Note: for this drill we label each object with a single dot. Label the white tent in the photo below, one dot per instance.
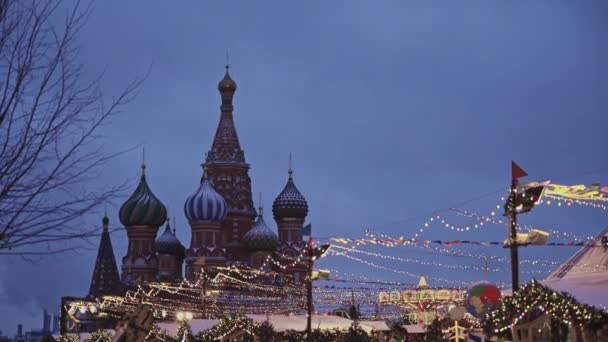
(585, 274)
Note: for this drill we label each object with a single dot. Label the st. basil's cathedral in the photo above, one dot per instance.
(226, 229)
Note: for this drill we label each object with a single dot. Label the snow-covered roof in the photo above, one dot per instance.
(297, 322)
(280, 323)
(414, 328)
(375, 325)
(196, 325)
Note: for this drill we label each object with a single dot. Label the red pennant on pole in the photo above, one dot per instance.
(516, 171)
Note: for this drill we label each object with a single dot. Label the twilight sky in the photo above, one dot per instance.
(392, 110)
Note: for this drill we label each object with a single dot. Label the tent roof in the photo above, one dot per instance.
(591, 289)
(585, 274)
(591, 258)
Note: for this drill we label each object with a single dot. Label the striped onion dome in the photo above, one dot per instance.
(290, 202)
(205, 204)
(168, 243)
(260, 238)
(143, 208)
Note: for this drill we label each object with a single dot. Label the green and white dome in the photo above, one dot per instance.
(143, 208)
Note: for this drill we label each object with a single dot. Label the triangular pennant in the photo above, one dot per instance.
(516, 171)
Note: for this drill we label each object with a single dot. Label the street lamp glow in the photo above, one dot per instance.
(180, 316)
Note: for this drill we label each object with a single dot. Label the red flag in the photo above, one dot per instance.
(516, 171)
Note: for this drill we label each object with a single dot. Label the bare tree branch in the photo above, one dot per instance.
(50, 117)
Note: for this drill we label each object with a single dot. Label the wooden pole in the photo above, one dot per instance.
(513, 237)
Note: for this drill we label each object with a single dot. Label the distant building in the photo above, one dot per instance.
(50, 324)
(4, 338)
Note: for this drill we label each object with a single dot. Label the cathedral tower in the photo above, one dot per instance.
(105, 280)
(260, 240)
(229, 173)
(171, 254)
(205, 210)
(290, 209)
(142, 214)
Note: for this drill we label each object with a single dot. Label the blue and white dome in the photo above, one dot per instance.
(260, 237)
(205, 204)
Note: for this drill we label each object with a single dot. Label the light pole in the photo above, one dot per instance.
(513, 236)
(312, 255)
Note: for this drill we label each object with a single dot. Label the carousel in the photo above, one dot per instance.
(424, 303)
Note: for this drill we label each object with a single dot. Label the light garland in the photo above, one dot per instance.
(534, 296)
(409, 274)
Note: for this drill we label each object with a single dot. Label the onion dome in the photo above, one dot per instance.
(143, 208)
(227, 84)
(290, 202)
(205, 204)
(260, 238)
(168, 243)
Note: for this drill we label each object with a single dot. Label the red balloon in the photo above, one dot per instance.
(490, 294)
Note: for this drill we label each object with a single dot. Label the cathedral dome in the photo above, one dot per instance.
(168, 243)
(205, 204)
(227, 84)
(290, 202)
(143, 208)
(260, 238)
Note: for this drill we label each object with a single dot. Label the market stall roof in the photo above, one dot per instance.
(414, 328)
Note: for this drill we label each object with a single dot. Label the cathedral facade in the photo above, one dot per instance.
(226, 229)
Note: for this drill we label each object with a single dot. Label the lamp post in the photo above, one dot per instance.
(312, 255)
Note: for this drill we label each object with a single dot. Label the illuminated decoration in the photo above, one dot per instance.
(418, 261)
(559, 201)
(423, 303)
(226, 326)
(449, 243)
(533, 300)
(99, 336)
(481, 297)
(525, 198)
(593, 192)
(416, 296)
(68, 338)
(409, 274)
